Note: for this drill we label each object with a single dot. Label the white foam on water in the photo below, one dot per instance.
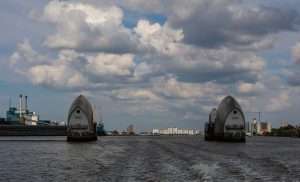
(205, 171)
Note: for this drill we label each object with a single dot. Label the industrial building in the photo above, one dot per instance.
(261, 128)
(22, 115)
(227, 123)
(80, 125)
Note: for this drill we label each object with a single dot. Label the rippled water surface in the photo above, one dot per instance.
(157, 158)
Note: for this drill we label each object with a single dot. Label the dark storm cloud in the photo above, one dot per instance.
(214, 25)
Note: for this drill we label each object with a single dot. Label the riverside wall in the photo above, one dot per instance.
(27, 130)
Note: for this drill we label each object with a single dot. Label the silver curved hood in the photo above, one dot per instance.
(82, 103)
(224, 108)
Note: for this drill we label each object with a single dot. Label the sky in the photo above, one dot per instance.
(155, 63)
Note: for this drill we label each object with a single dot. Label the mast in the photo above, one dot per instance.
(101, 119)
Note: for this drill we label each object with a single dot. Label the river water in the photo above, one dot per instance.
(156, 158)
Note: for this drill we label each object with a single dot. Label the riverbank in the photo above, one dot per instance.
(28, 130)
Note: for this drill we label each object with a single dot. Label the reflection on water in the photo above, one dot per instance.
(159, 158)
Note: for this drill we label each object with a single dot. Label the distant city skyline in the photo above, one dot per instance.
(152, 64)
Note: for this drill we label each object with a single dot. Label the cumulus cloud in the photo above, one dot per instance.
(25, 51)
(296, 53)
(150, 109)
(225, 23)
(84, 27)
(25, 57)
(292, 77)
(110, 65)
(222, 65)
(139, 101)
(251, 88)
(228, 23)
(171, 88)
(191, 116)
(157, 36)
(143, 70)
(160, 44)
(59, 76)
(279, 103)
(203, 51)
(130, 95)
(85, 93)
(72, 70)
(190, 63)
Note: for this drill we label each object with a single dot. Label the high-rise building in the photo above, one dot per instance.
(254, 121)
(284, 124)
(155, 131)
(269, 127)
(130, 130)
(261, 128)
(174, 131)
(191, 132)
(258, 128)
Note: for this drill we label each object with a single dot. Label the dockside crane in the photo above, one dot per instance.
(256, 112)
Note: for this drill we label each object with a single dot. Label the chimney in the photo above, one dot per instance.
(20, 108)
(9, 103)
(25, 104)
